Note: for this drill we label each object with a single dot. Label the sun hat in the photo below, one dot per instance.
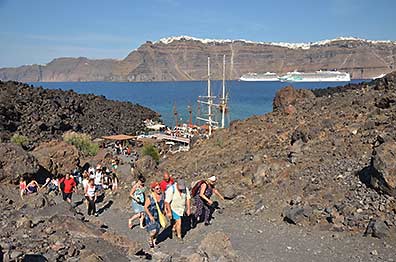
(181, 184)
(212, 178)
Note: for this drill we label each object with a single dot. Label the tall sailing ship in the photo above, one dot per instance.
(210, 103)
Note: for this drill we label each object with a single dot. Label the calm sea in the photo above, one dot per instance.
(245, 98)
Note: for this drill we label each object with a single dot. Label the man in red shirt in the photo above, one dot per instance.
(168, 180)
(67, 186)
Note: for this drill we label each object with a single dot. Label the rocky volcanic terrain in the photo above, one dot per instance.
(323, 158)
(312, 181)
(185, 58)
(42, 114)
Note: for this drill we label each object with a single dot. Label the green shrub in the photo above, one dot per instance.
(151, 150)
(20, 140)
(219, 143)
(82, 142)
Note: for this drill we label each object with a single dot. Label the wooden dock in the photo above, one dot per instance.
(172, 138)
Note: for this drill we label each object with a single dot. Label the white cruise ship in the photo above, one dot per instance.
(318, 76)
(259, 77)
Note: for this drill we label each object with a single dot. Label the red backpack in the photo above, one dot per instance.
(196, 188)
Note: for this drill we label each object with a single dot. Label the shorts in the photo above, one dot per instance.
(136, 207)
(31, 189)
(175, 216)
(67, 196)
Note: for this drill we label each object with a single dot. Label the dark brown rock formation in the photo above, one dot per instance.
(15, 163)
(383, 175)
(288, 96)
(57, 156)
(185, 58)
(43, 115)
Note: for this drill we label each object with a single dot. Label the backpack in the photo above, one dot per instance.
(196, 188)
(170, 185)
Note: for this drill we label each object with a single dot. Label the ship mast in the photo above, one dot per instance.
(223, 99)
(175, 114)
(209, 102)
(189, 108)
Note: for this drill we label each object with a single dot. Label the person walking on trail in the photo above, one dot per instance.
(91, 195)
(177, 202)
(152, 213)
(204, 206)
(167, 181)
(98, 179)
(67, 185)
(28, 189)
(137, 193)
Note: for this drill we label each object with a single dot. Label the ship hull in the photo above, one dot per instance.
(319, 76)
(258, 79)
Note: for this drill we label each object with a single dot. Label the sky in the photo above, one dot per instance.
(35, 32)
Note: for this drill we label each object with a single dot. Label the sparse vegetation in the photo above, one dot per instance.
(219, 143)
(151, 150)
(21, 140)
(82, 142)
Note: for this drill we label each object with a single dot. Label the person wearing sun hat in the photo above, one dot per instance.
(204, 206)
(177, 202)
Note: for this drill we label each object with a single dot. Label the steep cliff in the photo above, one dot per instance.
(185, 58)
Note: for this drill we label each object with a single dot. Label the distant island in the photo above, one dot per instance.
(184, 58)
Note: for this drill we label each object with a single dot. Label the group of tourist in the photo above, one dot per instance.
(126, 149)
(92, 181)
(163, 204)
(171, 199)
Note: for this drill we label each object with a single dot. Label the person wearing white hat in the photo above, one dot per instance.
(177, 202)
(204, 206)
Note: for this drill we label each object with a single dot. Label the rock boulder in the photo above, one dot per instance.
(377, 229)
(286, 98)
(15, 163)
(384, 167)
(57, 156)
(217, 246)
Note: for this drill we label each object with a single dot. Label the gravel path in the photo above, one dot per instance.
(257, 237)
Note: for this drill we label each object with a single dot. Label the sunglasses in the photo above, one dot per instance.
(157, 188)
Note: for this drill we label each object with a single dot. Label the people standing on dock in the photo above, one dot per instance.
(203, 203)
(177, 202)
(67, 185)
(166, 181)
(137, 193)
(153, 205)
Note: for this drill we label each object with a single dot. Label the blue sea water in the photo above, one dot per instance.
(245, 98)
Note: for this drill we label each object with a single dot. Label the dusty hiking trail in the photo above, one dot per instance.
(254, 237)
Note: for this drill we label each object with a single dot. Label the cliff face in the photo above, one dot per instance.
(185, 58)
